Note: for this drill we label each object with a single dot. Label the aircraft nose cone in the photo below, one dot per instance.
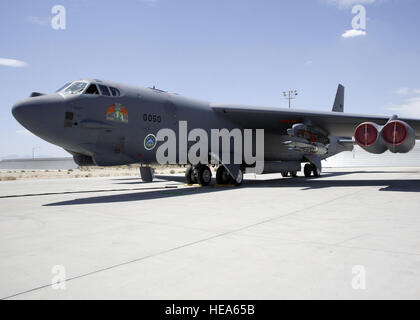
(40, 115)
(21, 111)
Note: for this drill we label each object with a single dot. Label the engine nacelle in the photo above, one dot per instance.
(82, 160)
(398, 136)
(368, 136)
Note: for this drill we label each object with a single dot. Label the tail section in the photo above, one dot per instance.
(339, 99)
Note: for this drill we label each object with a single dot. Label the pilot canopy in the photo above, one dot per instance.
(90, 88)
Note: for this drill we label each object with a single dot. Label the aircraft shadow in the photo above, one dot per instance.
(137, 196)
(160, 177)
(181, 179)
(309, 184)
(301, 183)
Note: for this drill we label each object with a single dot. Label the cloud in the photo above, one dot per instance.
(149, 2)
(407, 91)
(410, 108)
(353, 33)
(12, 63)
(402, 91)
(24, 132)
(39, 21)
(308, 62)
(342, 4)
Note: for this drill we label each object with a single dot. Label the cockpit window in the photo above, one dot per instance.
(104, 90)
(75, 87)
(114, 91)
(92, 89)
(65, 86)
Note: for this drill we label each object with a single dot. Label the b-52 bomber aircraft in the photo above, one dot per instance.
(104, 123)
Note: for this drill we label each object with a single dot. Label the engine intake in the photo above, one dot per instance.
(367, 135)
(398, 136)
(82, 160)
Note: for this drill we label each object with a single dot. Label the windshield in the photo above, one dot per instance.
(65, 86)
(76, 87)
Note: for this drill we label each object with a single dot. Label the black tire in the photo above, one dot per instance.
(203, 175)
(189, 175)
(285, 174)
(240, 176)
(307, 170)
(293, 174)
(222, 176)
(316, 171)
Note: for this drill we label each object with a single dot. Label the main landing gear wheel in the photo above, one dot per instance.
(316, 171)
(199, 174)
(203, 175)
(147, 174)
(239, 178)
(285, 174)
(307, 170)
(223, 177)
(189, 176)
(310, 169)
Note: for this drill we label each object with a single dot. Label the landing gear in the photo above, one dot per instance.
(200, 174)
(285, 174)
(223, 177)
(239, 178)
(307, 170)
(203, 175)
(310, 169)
(147, 174)
(316, 171)
(189, 177)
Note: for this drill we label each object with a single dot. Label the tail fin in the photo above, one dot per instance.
(339, 99)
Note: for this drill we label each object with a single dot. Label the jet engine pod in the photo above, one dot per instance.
(399, 137)
(111, 158)
(367, 135)
(82, 160)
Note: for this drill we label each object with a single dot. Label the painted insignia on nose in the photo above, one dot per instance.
(117, 112)
(149, 142)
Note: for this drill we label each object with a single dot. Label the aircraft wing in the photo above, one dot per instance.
(274, 119)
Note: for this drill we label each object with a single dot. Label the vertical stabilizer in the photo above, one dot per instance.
(339, 99)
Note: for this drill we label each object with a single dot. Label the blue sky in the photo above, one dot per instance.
(239, 51)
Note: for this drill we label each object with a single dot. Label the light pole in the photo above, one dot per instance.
(33, 152)
(290, 95)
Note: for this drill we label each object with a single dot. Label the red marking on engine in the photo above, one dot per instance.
(366, 134)
(395, 133)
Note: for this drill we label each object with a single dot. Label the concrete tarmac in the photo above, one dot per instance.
(352, 233)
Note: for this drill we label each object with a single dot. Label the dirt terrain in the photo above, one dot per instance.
(83, 172)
